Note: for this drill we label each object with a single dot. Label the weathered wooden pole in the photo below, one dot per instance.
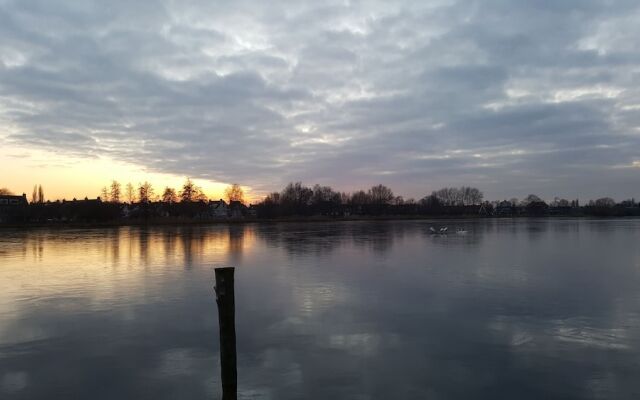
(226, 318)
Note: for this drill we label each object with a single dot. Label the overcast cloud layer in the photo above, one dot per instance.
(512, 97)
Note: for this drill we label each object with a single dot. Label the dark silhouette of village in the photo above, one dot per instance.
(295, 201)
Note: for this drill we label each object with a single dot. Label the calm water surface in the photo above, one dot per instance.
(526, 309)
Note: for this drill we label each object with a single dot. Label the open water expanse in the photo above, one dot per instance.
(513, 309)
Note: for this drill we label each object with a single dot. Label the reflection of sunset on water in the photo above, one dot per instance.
(101, 264)
(129, 245)
(323, 310)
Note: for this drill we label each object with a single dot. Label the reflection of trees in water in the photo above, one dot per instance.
(170, 237)
(605, 227)
(378, 236)
(148, 244)
(128, 245)
(24, 243)
(532, 228)
(192, 242)
(38, 247)
(322, 238)
(143, 242)
(236, 242)
(62, 243)
(464, 323)
(16, 243)
(298, 239)
(169, 241)
(512, 227)
(536, 228)
(507, 226)
(161, 244)
(566, 226)
(111, 244)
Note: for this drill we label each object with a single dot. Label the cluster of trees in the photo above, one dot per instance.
(532, 199)
(145, 193)
(557, 202)
(297, 195)
(188, 202)
(534, 205)
(37, 196)
(606, 206)
(298, 199)
(463, 196)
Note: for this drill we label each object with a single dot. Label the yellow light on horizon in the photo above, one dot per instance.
(68, 177)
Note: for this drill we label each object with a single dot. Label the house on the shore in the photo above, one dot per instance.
(85, 210)
(505, 208)
(486, 209)
(560, 210)
(237, 209)
(13, 208)
(218, 209)
(537, 208)
(252, 211)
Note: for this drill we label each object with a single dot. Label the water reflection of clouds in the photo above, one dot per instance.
(318, 297)
(101, 355)
(354, 310)
(579, 332)
(14, 381)
(362, 344)
(378, 236)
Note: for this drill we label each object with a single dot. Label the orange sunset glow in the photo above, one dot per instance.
(67, 177)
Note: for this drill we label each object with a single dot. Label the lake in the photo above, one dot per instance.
(513, 309)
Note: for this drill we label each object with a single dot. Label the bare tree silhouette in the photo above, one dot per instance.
(605, 202)
(234, 193)
(532, 198)
(115, 191)
(40, 194)
(169, 195)
(190, 192)
(130, 193)
(380, 195)
(145, 192)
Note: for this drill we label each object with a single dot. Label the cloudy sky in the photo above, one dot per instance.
(513, 97)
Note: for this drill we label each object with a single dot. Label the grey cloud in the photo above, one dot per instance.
(345, 94)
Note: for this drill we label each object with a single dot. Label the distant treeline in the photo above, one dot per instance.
(295, 200)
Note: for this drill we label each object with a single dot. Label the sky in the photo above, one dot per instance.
(512, 97)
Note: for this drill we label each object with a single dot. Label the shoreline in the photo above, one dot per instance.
(190, 222)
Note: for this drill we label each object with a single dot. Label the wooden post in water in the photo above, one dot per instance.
(226, 318)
